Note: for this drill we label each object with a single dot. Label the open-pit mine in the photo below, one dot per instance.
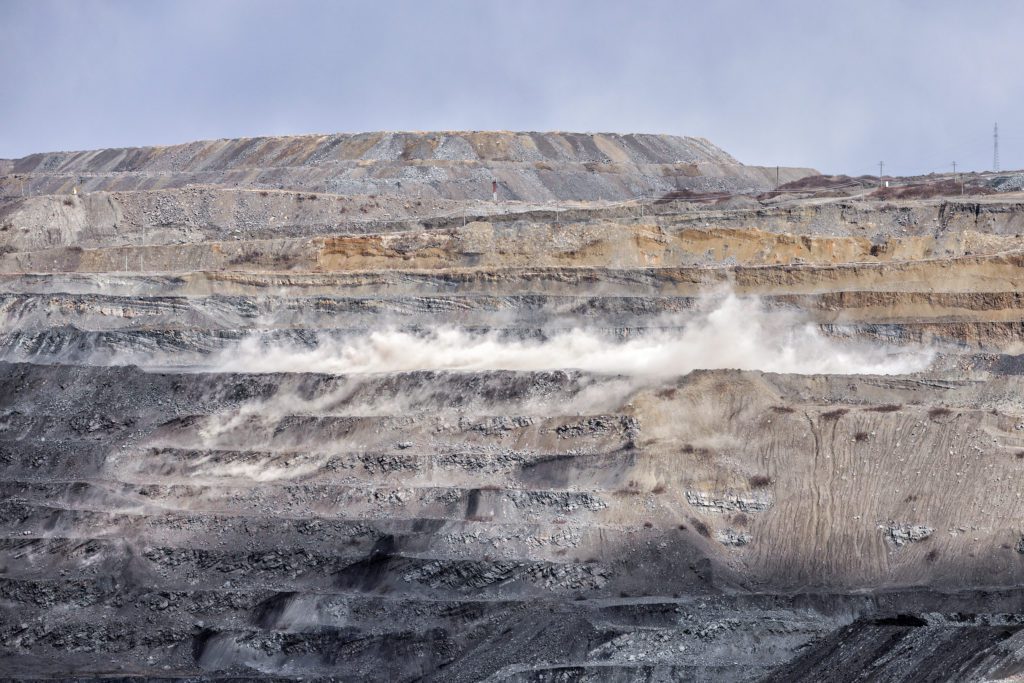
(506, 407)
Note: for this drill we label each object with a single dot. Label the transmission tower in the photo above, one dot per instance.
(995, 148)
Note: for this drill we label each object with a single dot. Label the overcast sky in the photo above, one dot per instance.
(836, 86)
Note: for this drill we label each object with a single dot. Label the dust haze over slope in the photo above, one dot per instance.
(726, 332)
(337, 413)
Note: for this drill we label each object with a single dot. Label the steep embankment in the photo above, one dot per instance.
(454, 165)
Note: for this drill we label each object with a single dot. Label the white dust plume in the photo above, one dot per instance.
(724, 332)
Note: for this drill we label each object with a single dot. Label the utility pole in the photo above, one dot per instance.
(995, 148)
(954, 169)
(776, 177)
(881, 166)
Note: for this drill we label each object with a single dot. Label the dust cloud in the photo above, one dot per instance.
(725, 331)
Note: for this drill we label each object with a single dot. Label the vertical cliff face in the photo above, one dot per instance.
(320, 408)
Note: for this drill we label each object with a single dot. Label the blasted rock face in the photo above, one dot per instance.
(320, 408)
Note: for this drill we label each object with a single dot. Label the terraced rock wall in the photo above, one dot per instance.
(276, 428)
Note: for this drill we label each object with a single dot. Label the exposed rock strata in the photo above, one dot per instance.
(163, 517)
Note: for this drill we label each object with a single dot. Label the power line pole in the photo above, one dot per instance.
(995, 148)
(881, 166)
(954, 169)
